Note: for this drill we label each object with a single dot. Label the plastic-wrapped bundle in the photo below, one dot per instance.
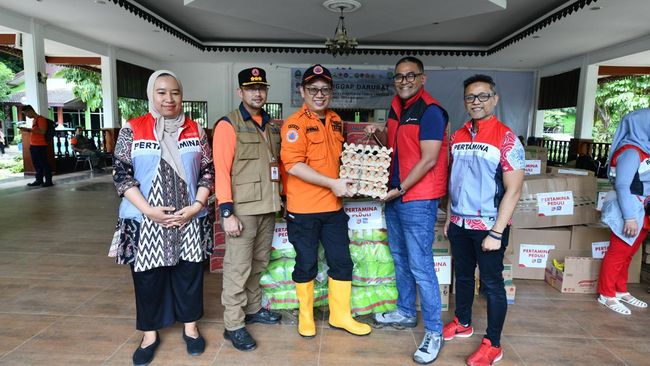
(368, 235)
(373, 273)
(284, 297)
(373, 299)
(282, 253)
(279, 290)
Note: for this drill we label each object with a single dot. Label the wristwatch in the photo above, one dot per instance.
(401, 190)
(226, 213)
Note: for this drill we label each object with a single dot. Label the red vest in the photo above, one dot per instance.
(403, 129)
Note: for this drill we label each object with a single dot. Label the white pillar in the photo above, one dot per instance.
(109, 90)
(586, 101)
(35, 75)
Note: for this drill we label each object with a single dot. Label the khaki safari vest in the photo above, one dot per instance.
(253, 191)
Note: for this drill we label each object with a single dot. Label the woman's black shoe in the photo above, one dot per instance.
(195, 346)
(143, 356)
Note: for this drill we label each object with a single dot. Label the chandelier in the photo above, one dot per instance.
(341, 44)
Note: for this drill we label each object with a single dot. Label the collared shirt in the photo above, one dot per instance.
(38, 139)
(305, 139)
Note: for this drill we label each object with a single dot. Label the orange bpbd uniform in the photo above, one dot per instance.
(305, 139)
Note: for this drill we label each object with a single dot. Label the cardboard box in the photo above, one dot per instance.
(580, 275)
(536, 159)
(634, 272)
(531, 248)
(594, 238)
(585, 237)
(507, 272)
(443, 269)
(441, 245)
(603, 186)
(543, 195)
(511, 291)
(556, 170)
(444, 297)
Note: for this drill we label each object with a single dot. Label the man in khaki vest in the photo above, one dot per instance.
(246, 147)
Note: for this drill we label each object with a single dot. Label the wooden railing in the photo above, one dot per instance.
(558, 151)
(63, 146)
(599, 150)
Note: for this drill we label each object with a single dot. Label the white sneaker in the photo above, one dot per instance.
(395, 318)
(429, 349)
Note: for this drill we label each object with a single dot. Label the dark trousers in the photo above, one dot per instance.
(42, 166)
(329, 228)
(165, 295)
(467, 252)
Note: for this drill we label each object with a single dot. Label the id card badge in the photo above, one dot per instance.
(275, 171)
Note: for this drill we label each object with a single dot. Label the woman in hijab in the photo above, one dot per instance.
(624, 209)
(163, 171)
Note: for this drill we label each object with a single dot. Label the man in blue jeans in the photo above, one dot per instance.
(487, 172)
(416, 130)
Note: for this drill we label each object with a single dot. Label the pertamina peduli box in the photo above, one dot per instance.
(579, 275)
(556, 200)
(536, 158)
(532, 248)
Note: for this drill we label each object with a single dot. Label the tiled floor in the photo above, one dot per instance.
(63, 302)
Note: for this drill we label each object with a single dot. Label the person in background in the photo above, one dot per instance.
(417, 132)
(312, 140)
(2, 139)
(164, 173)
(246, 153)
(626, 210)
(38, 148)
(86, 147)
(487, 174)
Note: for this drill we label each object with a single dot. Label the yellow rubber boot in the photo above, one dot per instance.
(305, 293)
(339, 303)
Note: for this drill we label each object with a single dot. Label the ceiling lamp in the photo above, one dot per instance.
(341, 44)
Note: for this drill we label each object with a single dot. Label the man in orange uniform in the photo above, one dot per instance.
(312, 139)
(38, 148)
(246, 147)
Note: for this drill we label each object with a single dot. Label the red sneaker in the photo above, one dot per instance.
(455, 329)
(485, 355)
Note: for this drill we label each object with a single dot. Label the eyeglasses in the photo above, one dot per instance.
(256, 89)
(409, 78)
(482, 97)
(314, 91)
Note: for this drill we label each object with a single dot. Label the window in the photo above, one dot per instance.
(197, 111)
(274, 110)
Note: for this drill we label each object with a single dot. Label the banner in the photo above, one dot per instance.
(555, 203)
(359, 89)
(364, 215)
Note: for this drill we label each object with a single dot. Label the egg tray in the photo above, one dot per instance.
(368, 166)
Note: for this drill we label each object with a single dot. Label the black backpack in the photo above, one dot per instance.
(51, 126)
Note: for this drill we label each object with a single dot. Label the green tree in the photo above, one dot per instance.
(88, 88)
(614, 99)
(88, 85)
(131, 108)
(14, 63)
(6, 75)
